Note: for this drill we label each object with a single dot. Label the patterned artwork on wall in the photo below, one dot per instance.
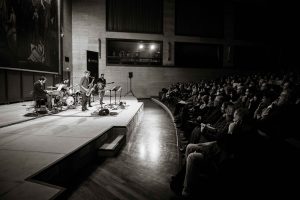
(29, 36)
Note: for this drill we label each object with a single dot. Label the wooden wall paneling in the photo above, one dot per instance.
(21, 85)
(50, 80)
(3, 96)
(27, 83)
(14, 86)
(36, 76)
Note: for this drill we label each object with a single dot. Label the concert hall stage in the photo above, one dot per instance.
(38, 152)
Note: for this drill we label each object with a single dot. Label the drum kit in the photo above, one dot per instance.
(62, 95)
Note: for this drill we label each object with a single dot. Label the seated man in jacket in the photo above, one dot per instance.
(39, 93)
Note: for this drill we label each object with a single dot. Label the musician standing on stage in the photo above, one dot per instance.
(84, 88)
(40, 93)
(101, 87)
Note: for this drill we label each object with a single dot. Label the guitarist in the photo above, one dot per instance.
(84, 88)
(101, 87)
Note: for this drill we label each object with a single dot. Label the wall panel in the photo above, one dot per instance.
(50, 80)
(14, 86)
(3, 98)
(27, 84)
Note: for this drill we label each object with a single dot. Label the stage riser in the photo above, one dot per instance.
(134, 121)
(59, 173)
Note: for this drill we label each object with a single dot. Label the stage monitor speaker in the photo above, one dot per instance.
(103, 112)
(130, 74)
(122, 105)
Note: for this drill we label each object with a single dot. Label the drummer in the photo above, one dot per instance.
(40, 93)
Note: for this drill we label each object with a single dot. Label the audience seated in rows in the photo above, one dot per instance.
(265, 108)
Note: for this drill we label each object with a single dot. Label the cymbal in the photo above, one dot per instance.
(51, 87)
(73, 86)
(60, 84)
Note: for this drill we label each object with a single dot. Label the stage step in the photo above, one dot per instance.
(113, 147)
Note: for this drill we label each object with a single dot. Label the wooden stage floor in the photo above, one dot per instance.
(28, 144)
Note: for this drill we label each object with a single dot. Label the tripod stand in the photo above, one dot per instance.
(130, 90)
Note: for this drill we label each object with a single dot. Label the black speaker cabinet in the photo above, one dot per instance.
(130, 74)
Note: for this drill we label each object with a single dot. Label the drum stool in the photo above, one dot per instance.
(40, 106)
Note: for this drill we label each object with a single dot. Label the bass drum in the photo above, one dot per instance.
(70, 101)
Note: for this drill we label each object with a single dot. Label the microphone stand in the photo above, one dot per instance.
(120, 95)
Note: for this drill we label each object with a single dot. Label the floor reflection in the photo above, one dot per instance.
(149, 146)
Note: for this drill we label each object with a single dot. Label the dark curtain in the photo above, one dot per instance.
(199, 18)
(198, 55)
(255, 57)
(252, 21)
(142, 16)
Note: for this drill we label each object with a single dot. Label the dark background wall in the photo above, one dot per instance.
(243, 35)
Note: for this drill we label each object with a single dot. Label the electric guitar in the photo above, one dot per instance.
(101, 86)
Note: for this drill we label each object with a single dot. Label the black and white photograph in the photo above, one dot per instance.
(149, 99)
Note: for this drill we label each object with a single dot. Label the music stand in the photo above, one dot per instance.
(111, 89)
(120, 94)
(116, 89)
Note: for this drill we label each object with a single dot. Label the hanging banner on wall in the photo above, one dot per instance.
(29, 35)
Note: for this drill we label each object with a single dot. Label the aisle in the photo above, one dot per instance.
(143, 169)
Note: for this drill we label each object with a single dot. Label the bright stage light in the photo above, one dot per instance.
(141, 46)
(152, 46)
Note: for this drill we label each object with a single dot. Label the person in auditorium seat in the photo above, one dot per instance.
(209, 132)
(279, 120)
(267, 98)
(205, 160)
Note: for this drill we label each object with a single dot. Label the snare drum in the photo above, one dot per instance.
(70, 91)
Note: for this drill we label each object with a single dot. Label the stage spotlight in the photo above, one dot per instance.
(141, 46)
(152, 47)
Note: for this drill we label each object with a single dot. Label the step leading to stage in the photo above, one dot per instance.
(112, 148)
